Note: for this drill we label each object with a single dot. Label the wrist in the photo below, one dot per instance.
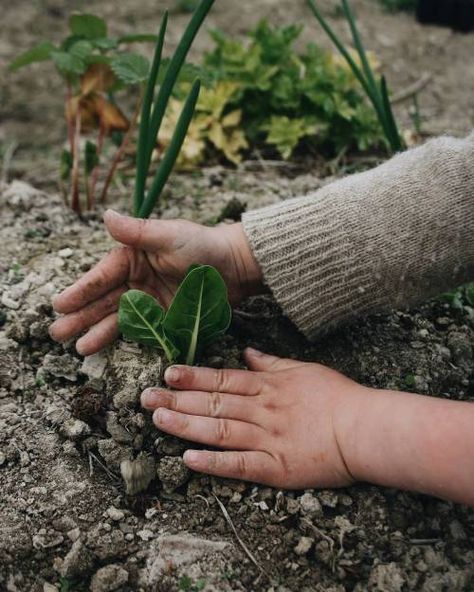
(249, 274)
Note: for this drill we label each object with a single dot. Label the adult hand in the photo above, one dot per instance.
(154, 258)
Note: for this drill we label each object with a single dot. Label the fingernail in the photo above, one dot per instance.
(172, 374)
(253, 352)
(191, 457)
(148, 397)
(111, 214)
(163, 417)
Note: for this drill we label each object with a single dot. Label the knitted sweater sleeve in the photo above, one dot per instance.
(389, 237)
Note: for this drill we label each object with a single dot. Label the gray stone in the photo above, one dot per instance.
(113, 453)
(75, 429)
(109, 578)
(77, 562)
(176, 551)
(309, 505)
(172, 472)
(138, 473)
(94, 366)
(64, 366)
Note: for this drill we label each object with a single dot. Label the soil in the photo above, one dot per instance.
(68, 519)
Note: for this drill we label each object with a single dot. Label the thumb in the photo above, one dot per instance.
(260, 362)
(149, 235)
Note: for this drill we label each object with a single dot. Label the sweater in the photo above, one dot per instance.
(385, 238)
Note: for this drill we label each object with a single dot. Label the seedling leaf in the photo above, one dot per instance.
(166, 166)
(38, 53)
(200, 312)
(68, 63)
(131, 68)
(88, 26)
(140, 319)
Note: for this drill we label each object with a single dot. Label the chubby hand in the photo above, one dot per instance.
(282, 423)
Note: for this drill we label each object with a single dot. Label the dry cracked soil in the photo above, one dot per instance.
(68, 520)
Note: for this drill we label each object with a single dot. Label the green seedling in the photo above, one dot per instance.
(95, 67)
(376, 91)
(153, 111)
(198, 315)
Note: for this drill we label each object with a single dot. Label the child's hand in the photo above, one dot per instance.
(283, 424)
(155, 259)
(295, 425)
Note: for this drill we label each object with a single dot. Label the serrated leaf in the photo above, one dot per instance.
(88, 26)
(81, 49)
(200, 312)
(140, 319)
(131, 68)
(105, 43)
(68, 63)
(38, 53)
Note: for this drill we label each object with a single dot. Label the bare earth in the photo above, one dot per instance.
(66, 522)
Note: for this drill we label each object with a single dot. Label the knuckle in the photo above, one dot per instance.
(283, 467)
(221, 380)
(241, 464)
(223, 431)
(214, 404)
(171, 400)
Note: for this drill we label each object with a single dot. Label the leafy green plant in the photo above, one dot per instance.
(376, 91)
(199, 314)
(261, 92)
(462, 296)
(94, 68)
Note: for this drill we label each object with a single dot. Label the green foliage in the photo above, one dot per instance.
(154, 109)
(283, 97)
(462, 296)
(377, 92)
(88, 26)
(91, 157)
(87, 44)
(199, 314)
(186, 584)
(130, 68)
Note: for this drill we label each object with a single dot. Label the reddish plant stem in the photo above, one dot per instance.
(75, 201)
(120, 151)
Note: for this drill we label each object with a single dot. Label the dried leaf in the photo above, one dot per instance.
(97, 78)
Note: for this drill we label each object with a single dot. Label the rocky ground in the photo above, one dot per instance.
(71, 519)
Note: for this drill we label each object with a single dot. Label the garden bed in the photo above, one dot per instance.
(67, 423)
(67, 522)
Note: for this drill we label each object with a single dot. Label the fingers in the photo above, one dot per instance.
(222, 433)
(74, 323)
(99, 336)
(149, 235)
(213, 404)
(108, 274)
(248, 466)
(260, 362)
(237, 382)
